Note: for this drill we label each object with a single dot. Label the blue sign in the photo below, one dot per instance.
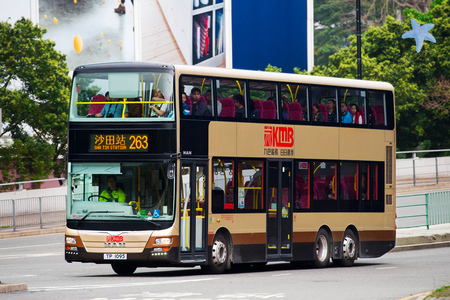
(156, 213)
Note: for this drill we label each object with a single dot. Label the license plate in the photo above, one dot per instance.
(119, 256)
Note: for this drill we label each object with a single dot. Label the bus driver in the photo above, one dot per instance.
(112, 193)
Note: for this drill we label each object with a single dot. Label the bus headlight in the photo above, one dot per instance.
(70, 240)
(163, 241)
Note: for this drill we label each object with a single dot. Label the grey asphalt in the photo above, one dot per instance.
(407, 239)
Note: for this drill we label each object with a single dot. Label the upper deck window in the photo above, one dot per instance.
(122, 96)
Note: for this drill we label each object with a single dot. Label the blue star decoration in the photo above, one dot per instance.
(420, 33)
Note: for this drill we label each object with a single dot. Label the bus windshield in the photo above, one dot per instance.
(122, 97)
(118, 191)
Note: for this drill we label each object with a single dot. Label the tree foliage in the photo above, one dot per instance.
(335, 21)
(34, 97)
(420, 79)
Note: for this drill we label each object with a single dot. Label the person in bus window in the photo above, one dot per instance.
(239, 102)
(254, 113)
(346, 117)
(364, 186)
(158, 108)
(304, 110)
(186, 107)
(199, 107)
(112, 193)
(329, 195)
(134, 109)
(317, 114)
(284, 108)
(112, 110)
(208, 99)
(356, 116)
(331, 109)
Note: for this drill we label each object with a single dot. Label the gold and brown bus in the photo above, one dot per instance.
(181, 166)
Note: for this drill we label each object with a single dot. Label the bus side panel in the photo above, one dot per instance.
(249, 247)
(303, 245)
(375, 243)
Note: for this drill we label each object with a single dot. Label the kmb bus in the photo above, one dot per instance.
(191, 166)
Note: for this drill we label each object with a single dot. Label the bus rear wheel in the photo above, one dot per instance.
(123, 269)
(322, 249)
(349, 250)
(219, 254)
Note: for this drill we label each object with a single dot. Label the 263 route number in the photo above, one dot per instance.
(139, 142)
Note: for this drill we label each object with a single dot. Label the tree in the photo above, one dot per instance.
(335, 21)
(34, 97)
(421, 80)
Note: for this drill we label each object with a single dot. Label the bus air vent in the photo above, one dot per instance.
(388, 164)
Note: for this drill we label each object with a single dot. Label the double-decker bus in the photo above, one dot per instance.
(191, 166)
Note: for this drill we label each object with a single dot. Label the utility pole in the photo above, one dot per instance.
(358, 37)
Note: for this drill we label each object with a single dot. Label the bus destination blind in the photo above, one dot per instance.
(114, 142)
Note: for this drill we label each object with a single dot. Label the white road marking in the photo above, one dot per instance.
(30, 246)
(112, 285)
(285, 274)
(32, 255)
(386, 268)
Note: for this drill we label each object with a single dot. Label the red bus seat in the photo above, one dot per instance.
(258, 106)
(295, 111)
(228, 108)
(269, 110)
(96, 108)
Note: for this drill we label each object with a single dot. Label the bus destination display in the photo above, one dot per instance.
(121, 142)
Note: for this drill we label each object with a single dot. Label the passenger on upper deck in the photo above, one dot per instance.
(331, 108)
(134, 109)
(304, 110)
(208, 99)
(239, 101)
(158, 109)
(186, 107)
(254, 113)
(357, 119)
(317, 114)
(284, 108)
(199, 107)
(112, 110)
(346, 117)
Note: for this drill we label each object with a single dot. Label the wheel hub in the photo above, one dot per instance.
(219, 251)
(321, 248)
(348, 248)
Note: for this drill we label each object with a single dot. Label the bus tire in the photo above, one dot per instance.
(349, 250)
(123, 269)
(322, 249)
(219, 254)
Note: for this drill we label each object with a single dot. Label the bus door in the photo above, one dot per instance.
(279, 209)
(193, 231)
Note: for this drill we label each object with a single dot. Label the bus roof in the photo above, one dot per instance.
(297, 78)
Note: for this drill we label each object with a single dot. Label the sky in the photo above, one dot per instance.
(14, 9)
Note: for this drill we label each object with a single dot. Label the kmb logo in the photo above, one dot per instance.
(117, 238)
(276, 136)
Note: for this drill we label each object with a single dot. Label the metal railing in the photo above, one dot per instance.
(423, 209)
(21, 183)
(418, 170)
(32, 212)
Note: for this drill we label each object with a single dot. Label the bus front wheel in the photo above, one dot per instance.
(322, 249)
(349, 250)
(123, 269)
(219, 254)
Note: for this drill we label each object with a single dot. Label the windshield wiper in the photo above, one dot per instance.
(137, 217)
(97, 212)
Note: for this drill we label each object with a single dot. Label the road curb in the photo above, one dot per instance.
(31, 232)
(12, 287)
(421, 246)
